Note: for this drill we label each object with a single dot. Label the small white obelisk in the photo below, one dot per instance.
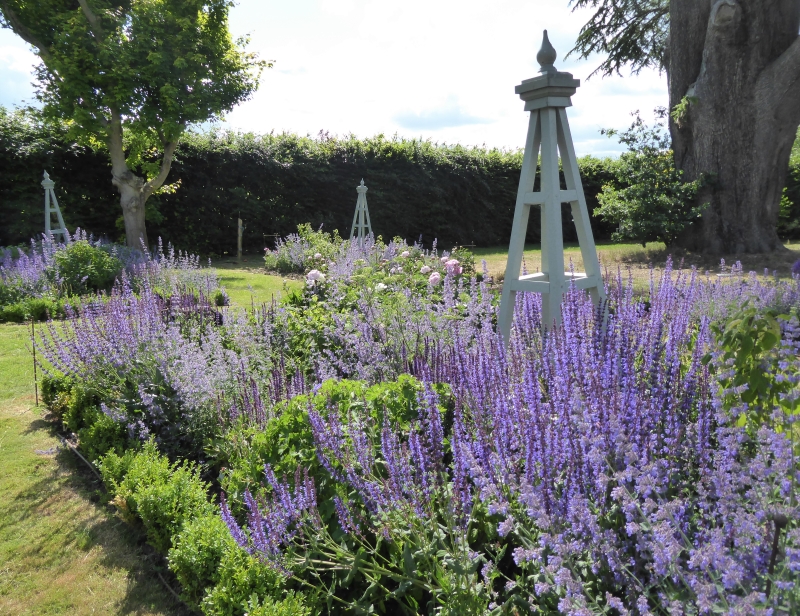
(547, 98)
(50, 208)
(361, 225)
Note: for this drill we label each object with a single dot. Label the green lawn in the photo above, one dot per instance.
(62, 549)
(637, 259)
(249, 285)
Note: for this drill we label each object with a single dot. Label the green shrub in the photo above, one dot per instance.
(244, 580)
(101, 435)
(650, 200)
(8, 294)
(37, 308)
(196, 556)
(82, 267)
(291, 605)
(220, 298)
(286, 442)
(162, 495)
(760, 375)
(216, 575)
(56, 389)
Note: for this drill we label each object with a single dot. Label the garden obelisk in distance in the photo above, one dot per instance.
(50, 208)
(362, 227)
(547, 97)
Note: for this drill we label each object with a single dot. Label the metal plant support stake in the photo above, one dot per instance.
(50, 208)
(361, 225)
(547, 97)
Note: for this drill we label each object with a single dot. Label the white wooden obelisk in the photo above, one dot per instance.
(50, 208)
(547, 97)
(361, 225)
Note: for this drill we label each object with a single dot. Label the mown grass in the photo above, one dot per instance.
(62, 549)
(638, 259)
(248, 283)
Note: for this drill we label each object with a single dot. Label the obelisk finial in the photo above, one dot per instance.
(546, 56)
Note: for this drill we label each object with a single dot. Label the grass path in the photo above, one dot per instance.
(249, 284)
(62, 549)
(638, 259)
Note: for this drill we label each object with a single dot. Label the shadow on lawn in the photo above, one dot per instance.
(91, 528)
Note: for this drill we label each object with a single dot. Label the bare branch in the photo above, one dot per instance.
(22, 31)
(94, 22)
(166, 162)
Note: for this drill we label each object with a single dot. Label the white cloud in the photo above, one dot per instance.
(438, 69)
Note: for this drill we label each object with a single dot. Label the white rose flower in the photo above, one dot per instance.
(314, 276)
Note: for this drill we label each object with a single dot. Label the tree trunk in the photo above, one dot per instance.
(133, 200)
(738, 64)
(133, 190)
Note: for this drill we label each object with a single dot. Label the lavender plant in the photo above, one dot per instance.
(597, 468)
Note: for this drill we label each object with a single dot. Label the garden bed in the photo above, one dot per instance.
(369, 444)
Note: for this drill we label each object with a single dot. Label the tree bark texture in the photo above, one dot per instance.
(738, 63)
(134, 190)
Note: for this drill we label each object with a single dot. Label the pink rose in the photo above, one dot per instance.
(435, 278)
(453, 267)
(424, 269)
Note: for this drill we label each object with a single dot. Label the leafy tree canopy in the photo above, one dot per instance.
(163, 64)
(131, 75)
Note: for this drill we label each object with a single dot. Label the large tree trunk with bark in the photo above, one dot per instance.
(133, 201)
(134, 190)
(738, 64)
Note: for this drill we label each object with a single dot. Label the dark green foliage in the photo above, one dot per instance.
(275, 182)
(36, 308)
(750, 341)
(657, 204)
(625, 32)
(459, 195)
(29, 146)
(82, 267)
(286, 442)
(789, 220)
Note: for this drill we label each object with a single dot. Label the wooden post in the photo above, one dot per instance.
(35, 375)
(546, 98)
(239, 231)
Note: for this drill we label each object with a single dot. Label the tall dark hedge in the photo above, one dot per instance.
(455, 194)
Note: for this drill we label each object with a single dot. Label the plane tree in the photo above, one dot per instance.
(131, 76)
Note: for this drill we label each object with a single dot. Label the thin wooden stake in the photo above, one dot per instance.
(239, 241)
(35, 375)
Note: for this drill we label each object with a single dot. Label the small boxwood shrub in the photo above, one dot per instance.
(243, 581)
(195, 559)
(145, 485)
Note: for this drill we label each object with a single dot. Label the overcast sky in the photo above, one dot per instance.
(443, 70)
